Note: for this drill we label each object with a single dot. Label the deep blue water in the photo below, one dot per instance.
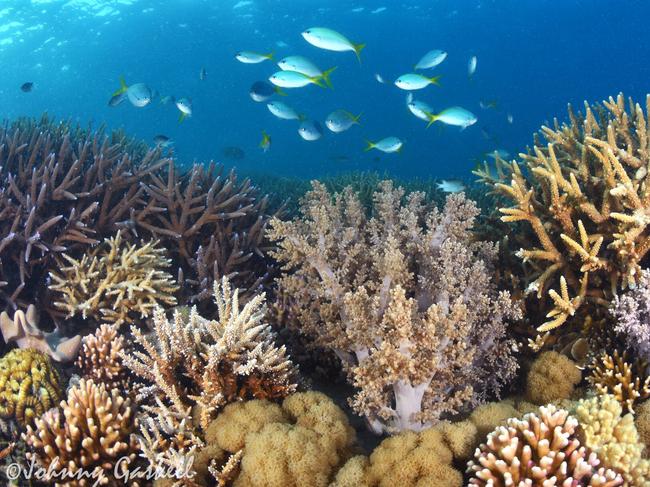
(533, 58)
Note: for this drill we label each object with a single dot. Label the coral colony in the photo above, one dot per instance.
(371, 333)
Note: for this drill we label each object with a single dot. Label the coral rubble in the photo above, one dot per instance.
(403, 296)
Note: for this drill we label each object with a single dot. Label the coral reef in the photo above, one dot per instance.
(403, 297)
(551, 378)
(632, 313)
(613, 374)
(117, 282)
(613, 437)
(100, 359)
(91, 430)
(642, 421)
(29, 385)
(24, 331)
(582, 198)
(542, 448)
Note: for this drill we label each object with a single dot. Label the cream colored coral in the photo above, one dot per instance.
(613, 437)
(100, 358)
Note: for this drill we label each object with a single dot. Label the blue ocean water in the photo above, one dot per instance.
(533, 58)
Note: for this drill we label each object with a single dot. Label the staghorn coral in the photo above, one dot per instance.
(632, 313)
(404, 299)
(613, 374)
(62, 189)
(613, 437)
(117, 282)
(540, 449)
(583, 200)
(29, 385)
(23, 330)
(551, 378)
(91, 430)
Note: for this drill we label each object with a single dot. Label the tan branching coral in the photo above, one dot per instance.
(100, 359)
(627, 381)
(539, 449)
(583, 196)
(24, 331)
(91, 431)
(117, 282)
(404, 297)
(29, 385)
(614, 438)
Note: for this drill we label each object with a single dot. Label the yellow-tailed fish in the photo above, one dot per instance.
(331, 40)
(265, 144)
(250, 57)
(387, 145)
(415, 81)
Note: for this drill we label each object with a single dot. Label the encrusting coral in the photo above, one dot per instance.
(90, 431)
(403, 297)
(24, 331)
(117, 282)
(613, 437)
(632, 313)
(583, 197)
(540, 449)
(552, 377)
(29, 385)
(629, 382)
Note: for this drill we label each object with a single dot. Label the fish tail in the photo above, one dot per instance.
(318, 80)
(269, 55)
(123, 87)
(369, 146)
(357, 118)
(182, 117)
(326, 76)
(357, 50)
(435, 80)
(278, 91)
(432, 118)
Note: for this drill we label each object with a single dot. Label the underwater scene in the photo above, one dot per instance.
(335, 243)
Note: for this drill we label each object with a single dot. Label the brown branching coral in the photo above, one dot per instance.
(629, 382)
(539, 449)
(62, 188)
(100, 359)
(584, 199)
(403, 297)
(91, 431)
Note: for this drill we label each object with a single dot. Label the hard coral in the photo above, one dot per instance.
(101, 359)
(540, 449)
(552, 377)
(117, 282)
(29, 385)
(404, 297)
(584, 198)
(91, 431)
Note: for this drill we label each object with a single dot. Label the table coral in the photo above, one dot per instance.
(29, 385)
(583, 197)
(118, 282)
(404, 297)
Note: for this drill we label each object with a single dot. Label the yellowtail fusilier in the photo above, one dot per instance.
(138, 94)
(250, 57)
(294, 79)
(310, 130)
(414, 81)
(203, 74)
(184, 105)
(451, 186)
(431, 59)
(283, 111)
(162, 141)
(262, 91)
(456, 116)
(265, 144)
(420, 109)
(341, 120)
(387, 145)
(303, 65)
(471, 66)
(331, 40)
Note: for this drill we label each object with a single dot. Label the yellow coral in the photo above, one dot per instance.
(613, 437)
(551, 378)
(29, 385)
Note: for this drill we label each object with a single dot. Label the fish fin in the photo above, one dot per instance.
(181, 117)
(357, 118)
(269, 55)
(278, 91)
(369, 146)
(123, 87)
(326, 77)
(318, 80)
(432, 118)
(357, 50)
(434, 80)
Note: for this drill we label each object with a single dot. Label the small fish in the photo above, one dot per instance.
(451, 186)
(387, 145)
(262, 91)
(265, 144)
(431, 59)
(500, 153)
(331, 40)
(27, 87)
(341, 120)
(138, 94)
(203, 74)
(283, 111)
(294, 79)
(281, 44)
(420, 109)
(456, 116)
(310, 130)
(414, 81)
(116, 99)
(378, 10)
(510, 118)
(303, 65)
(471, 66)
(242, 3)
(165, 100)
(488, 104)
(162, 140)
(380, 78)
(249, 57)
(357, 10)
(184, 105)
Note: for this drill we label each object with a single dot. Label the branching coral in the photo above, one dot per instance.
(627, 381)
(584, 199)
(91, 431)
(403, 297)
(117, 282)
(632, 313)
(540, 449)
(29, 385)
